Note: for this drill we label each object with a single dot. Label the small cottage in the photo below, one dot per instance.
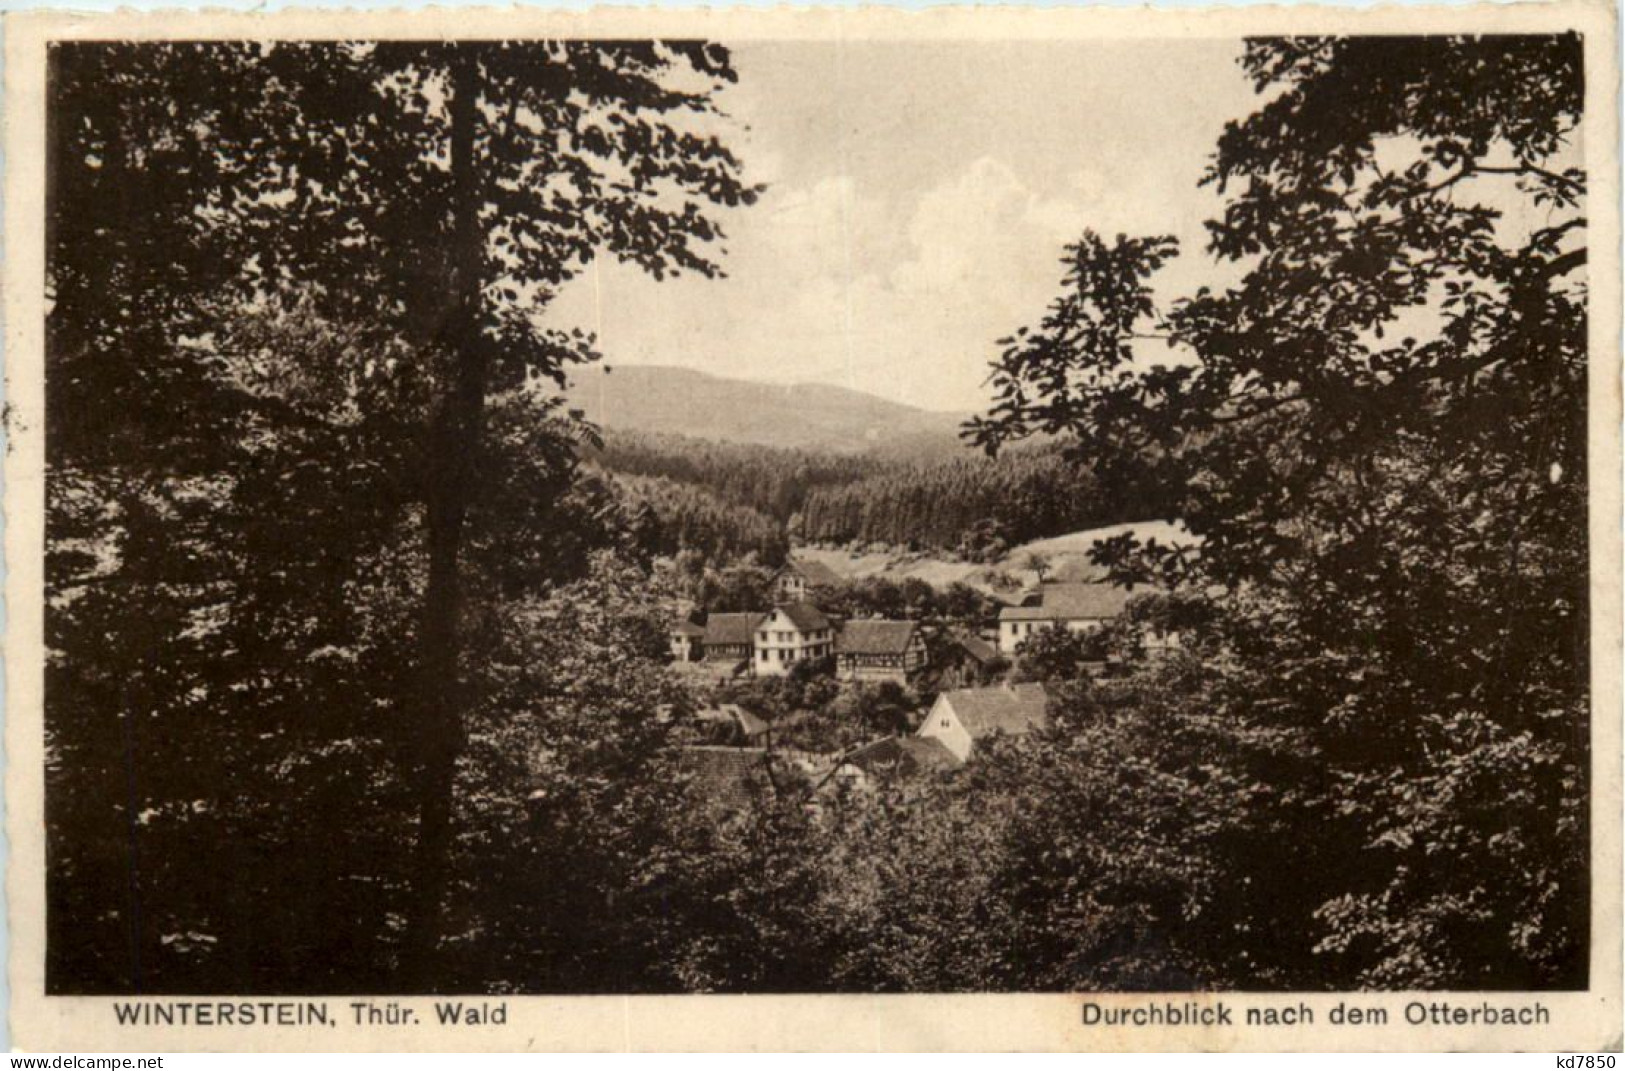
(793, 582)
(968, 660)
(879, 651)
(687, 642)
(961, 718)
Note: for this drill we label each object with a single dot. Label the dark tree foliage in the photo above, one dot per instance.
(219, 639)
(570, 793)
(968, 505)
(745, 587)
(1099, 855)
(673, 517)
(1379, 434)
(909, 599)
(299, 440)
(769, 480)
(352, 663)
(1060, 654)
(750, 886)
(977, 507)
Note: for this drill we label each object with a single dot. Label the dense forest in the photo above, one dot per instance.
(672, 516)
(357, 671)
(771, 480)
(971, 505)
(717, 497)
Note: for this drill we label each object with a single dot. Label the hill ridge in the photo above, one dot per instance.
(684, 401)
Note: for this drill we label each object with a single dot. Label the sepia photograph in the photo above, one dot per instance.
(605, 514)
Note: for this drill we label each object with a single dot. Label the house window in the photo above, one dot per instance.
(764, 656)
(945, 723)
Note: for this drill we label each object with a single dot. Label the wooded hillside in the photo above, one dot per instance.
(958, 502)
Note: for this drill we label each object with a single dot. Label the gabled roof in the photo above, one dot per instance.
(810, 571)
(724, 774)
(904, 755)
(711, 670)
(749, 723)
(1010, 710)
(687, 628)
(1070, 602)
(875, 637)
(804, 615)
(977, 647)
(732, 713)
(731, 628)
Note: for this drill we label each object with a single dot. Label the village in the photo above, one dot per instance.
(580, 516)
(961, 683)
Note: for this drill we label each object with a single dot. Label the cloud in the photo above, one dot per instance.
(985, 247)
(982, 258)
(828, 282)
(918, 202)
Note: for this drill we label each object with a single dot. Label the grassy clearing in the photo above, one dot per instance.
(1068, 556)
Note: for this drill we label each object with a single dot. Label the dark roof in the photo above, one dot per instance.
(928, 753)
(731, 628)
(687, 628)
(812, 572)
(875, 637)
(724, 774)
(977, 647)
(1010, 710)
(804, 615)
(732, 713)
(1070, 602)
(904, 755)
(749, 723)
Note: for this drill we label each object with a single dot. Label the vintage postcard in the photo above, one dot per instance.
(814, 529)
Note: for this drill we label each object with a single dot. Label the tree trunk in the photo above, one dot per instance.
(454, 442)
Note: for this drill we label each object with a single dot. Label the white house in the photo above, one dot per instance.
(1079, 607)
(687, 641)
(961, 717)
(792, 582)
(793, 632)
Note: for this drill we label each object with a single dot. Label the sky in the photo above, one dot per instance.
(919, 197)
